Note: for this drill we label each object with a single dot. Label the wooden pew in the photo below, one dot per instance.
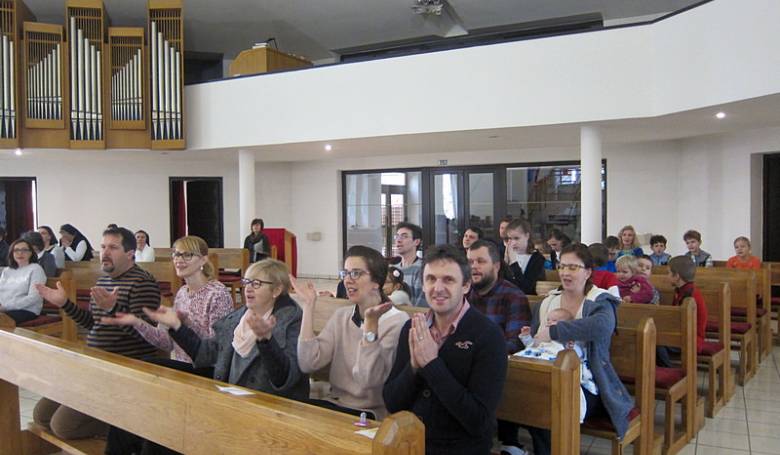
(544, 287)
(183, 412)
(233, 263)
(545, 394)
(633, 355)
(744, 335)
(675, 327)
(551, 275)
(59, 325)
(717, 297)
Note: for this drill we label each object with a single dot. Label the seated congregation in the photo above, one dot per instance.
(441, 335)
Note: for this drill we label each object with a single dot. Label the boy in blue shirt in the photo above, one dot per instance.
(659, 256)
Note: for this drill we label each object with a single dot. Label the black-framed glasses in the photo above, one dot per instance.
(256, 284)
(353, 274)
(570, 267)
(186, 255)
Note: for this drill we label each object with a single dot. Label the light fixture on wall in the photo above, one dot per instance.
(328, 147)
(428, 7)
(720, 115)
(18, 152)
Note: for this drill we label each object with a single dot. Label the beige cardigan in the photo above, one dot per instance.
(358, 369)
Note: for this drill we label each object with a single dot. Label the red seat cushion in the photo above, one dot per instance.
(165, 289)
(229, 278)
(665, 378)
(40, 320)
(740, 327)
(743, 312)
(775, 301)
(603, 423)
(710, 348)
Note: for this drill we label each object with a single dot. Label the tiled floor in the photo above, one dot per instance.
(750, 424)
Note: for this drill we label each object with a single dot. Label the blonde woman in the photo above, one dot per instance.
(629, 246)
(200, 302)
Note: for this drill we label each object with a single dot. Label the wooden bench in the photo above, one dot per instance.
(633, 355)
(233, 263)
(183, 412)
(744, 334)
(544, 287)
(545, 394)
(52, 320)
(675, 327)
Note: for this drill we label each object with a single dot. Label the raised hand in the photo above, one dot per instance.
(104, 299)
(306, 292)
(511, 255)
(262, 327)
(56, 297)
(375, 312)
(525, 331)
(124, 319)
(425, 348)
(164, 315)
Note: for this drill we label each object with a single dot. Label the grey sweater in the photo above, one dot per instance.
(17, 288)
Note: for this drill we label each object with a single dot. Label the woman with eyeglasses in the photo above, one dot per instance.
(358, 342)
(199, 303)
(595, 312)
(253, 347)
(19, 299)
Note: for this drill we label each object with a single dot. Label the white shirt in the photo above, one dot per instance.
(145, 255)
(77, 254)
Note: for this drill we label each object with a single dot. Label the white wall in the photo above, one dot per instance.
(716, 53)
(131, 189)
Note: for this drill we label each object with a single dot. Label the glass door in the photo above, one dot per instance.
(480, 207)
(447, 206)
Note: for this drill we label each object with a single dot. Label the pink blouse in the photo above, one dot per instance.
(198, 310)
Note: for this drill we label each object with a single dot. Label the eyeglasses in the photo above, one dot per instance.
(22, 250)
(186, 255)
(353, 274)
(570, 267)
(401, 236)
(256, 284)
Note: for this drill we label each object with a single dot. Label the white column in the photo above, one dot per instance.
(246, 190)
(590, 189)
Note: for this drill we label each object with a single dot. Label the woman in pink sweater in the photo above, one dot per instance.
(359, 341)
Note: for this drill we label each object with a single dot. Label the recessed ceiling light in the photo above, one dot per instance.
(18, 152)
(328, 147)
(720, 115)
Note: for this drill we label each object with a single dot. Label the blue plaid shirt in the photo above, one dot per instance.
(506, 305)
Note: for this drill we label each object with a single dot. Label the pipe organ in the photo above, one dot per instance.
(83, 84)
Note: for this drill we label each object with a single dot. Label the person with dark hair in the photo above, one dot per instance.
(19, 297)
(257, 242)
(143, 249)
(3, 248)
(450, 365)
(501, 241)
(699, 257)
(658, 245)
(471, 235)
(45, 259)
(395, 288)
(557, 240)
(526, 265)
(358, 342)
(595, 312)
(70, 237)
(50, 245)
(408, 239)
(601, 277)
(613, 247)
(504, 304)
(125, 288)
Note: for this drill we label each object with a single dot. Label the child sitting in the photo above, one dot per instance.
(633, 286)
(744, 259)
(613, 245)
(699, 257)
(601, 278)
(395, 288)
(646, 269)
(658, 245)
(629, 246)
(682, 272)
(549, 351)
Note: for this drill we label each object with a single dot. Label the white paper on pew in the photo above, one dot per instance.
(235, 391)
(370, 433)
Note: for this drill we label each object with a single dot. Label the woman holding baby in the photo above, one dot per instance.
(586, 315)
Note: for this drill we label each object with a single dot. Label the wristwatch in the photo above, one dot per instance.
(369, 336)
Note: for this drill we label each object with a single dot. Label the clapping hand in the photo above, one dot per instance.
(103, 298)
(56, 297)
(262, 327)
(306, 292)
(423, 349)
(123, 319)
(164, 315)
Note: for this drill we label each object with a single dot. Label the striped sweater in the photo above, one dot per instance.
(137, 289)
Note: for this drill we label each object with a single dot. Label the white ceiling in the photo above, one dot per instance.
(313, 28)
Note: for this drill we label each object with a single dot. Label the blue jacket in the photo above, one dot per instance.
(598, 323)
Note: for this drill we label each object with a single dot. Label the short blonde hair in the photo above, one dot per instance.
(625, 228)
(276, 272)
(196, 245)
(628, 261)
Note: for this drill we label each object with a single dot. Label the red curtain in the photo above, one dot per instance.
(276, 237)
(19, 208)
(179, 210)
